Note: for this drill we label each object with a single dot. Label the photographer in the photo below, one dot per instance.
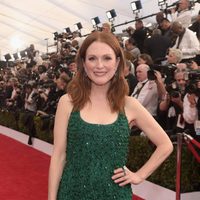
(130, 46)
(140, 34)
(157, 45)
(191, 107)
(15, 101)
(186, 41)
(165, 27)
(57, 89)
(149, 89)
(171, 107)
(181, 13)
(2, 94)
(30, 98)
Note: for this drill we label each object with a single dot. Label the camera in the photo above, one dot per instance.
(173, 91)
(151, 74)
(193, 89)
(193, 75)
(174, 94)
(167, 72)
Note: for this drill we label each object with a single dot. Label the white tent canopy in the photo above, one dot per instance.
(31, 22)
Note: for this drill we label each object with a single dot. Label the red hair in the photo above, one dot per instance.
(80, 86)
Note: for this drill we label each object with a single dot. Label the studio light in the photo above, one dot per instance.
(136, 6)
(68, 30)
(111, 14)
(95, 21)
(7, 57)
(15, 55)
(55, 35)
(78, 26)
(23, 53)
(161, 2)
(163, 5)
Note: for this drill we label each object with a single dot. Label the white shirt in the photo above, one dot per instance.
(32, 105)
(148, 96)
(184, 17)
(190, 114)
(189, 44)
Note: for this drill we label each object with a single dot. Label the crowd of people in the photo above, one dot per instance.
(162, 71)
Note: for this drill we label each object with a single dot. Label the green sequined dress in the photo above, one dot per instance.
(93, 152)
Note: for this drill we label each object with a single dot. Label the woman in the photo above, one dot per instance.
(88, 162)
(174, 56)
(144, 59)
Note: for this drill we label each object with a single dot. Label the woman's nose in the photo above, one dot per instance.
(100, 63)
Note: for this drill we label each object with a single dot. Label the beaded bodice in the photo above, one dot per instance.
(93, 152)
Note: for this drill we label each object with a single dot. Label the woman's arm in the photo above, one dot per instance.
(58, 157)
(157, 136)
(160, 85)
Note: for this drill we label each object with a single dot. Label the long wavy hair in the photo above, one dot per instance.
(80, 87)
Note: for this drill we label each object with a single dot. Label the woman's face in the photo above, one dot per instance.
(171, 58)
(100, 63)
(141, 61)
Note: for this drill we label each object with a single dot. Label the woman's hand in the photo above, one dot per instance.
(124, 176)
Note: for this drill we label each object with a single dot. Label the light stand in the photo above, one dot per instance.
(111, 14)
(78, 26)
(47, 45)
(95, 21)
(7, 58)
(136, 6)
(163, 5)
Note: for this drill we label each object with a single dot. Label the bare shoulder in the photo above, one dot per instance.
(66, 99)
(131, 103)
(133, 108)
(65, 104)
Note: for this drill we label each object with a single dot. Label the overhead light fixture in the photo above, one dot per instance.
(161, 2)
(55, 34)
(78, 26)
(136, 6)
(23, 53)
(111, 14)
(68, 30)
(7, 57)
(15, 55)
(163, 6)
(95, 21)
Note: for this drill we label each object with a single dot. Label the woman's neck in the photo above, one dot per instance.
(100, 91)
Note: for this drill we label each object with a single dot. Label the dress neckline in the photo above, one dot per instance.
(95, 124)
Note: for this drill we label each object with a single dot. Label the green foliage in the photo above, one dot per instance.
(16, 121)
(43, 131)
(140, 150)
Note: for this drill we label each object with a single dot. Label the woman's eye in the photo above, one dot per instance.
(108, 58)
(91, 58)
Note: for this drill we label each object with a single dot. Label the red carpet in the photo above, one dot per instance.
(23, 171)
(137, 198)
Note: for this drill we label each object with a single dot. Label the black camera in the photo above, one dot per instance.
(174, 94)
(151, 75)
(173, 91)
(167, 72)
(194, 75)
